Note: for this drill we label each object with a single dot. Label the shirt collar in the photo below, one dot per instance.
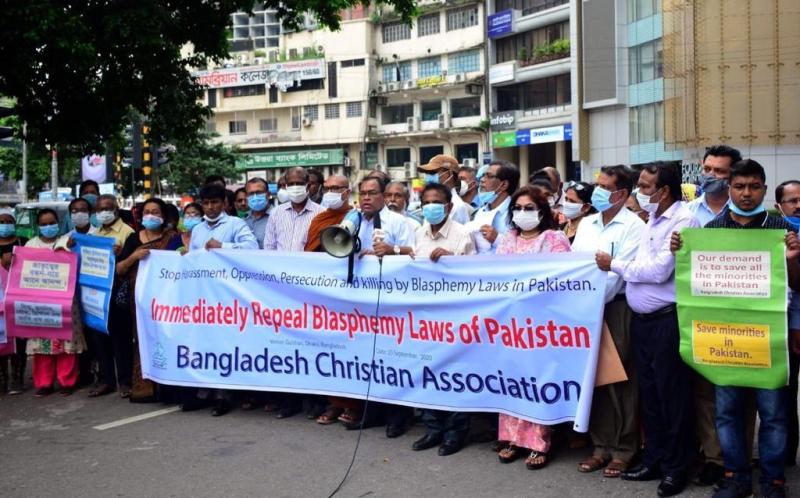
(223, 218)
(620, 217)
(759, 220)
(116, 226)
(287, 206)
(444, 232)
(670, 211)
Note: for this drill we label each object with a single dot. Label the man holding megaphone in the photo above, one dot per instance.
(383, 232)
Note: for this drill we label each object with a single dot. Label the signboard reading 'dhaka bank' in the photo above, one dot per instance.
(288, 159)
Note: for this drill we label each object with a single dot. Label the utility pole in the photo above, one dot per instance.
(54, 172)
(24, 161)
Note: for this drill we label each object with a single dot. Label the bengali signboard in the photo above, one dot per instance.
(268, 74)
(500, 24)
(288, 159)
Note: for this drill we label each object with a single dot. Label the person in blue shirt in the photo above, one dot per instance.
(219, 230)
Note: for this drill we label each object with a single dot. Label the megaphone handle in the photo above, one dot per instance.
(350, 264)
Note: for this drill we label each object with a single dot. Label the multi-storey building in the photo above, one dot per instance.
(302, 100)
(428, 86)
(532, 73)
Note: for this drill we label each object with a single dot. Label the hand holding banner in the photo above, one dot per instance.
(731, 290)
(41, 285)
(95, 277)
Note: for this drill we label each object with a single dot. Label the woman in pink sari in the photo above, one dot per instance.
(533, 230)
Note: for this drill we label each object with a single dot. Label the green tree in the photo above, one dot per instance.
(193, 161)
(39, 167)
(77, 68)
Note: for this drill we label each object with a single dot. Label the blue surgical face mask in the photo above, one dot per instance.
(432, 178)
(91, 199)
(741, 212)
(793, 221)
(152, 222)
(190, 222)
(49, 231)
(601, 199)
(257, 202)
(7, 229)
(434, 213)
(712, 185)
(485, 198)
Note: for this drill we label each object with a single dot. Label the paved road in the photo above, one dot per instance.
(49, 447)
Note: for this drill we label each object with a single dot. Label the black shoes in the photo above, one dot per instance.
(221, 407)
(395, 430)
(732, 489)
(641, 473)
(426, 442)
(671, 485)
(710, 474)
(449, 447)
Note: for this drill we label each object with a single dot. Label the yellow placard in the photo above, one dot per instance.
(731, 344)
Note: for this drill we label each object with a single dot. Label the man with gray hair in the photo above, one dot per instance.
(397, 198)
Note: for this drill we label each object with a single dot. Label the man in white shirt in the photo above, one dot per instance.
(441, 236)
(396, 196)
(717, 163)
(395, 236)
(444, 169)
(614, 423)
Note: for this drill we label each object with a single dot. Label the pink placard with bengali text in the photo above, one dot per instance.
(39, 293)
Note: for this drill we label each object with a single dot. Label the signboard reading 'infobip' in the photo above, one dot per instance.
(511, 334)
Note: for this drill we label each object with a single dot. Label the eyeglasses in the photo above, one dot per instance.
(575, 185)
(295, 184)
(334, 188)
(795, 200)
(529, 207)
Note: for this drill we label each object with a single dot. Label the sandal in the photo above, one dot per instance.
(536, 460)
(330, 416)
(615, 468)
(101, 390)
(125, 392)
(592, 464)
(349, 416)
(508, 454)
(44, 391)
(499, 445)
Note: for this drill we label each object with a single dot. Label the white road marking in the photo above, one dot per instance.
(137, 418)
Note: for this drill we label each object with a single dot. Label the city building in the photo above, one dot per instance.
(428, 87)
(293, 98)
(532, 75)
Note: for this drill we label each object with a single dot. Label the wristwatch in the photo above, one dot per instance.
(397, 249)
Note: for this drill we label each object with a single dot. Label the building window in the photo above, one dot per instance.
(296, 118)
(237, 127)
(391, 70)
(647, 123)
(331, 111)
(462, 18)
(646, 62)
(554, 91)
(432, 66)
(464, 62)
(354, 109)
(397, 157)
(311, 112)
(523, 45)
(462, 108)
(212, 98)
(639, 9)
(427, 153)
(428, 25)
(431, 110)
(352, 63)
(268, 125)
(397, 114)
(244, 91)
(396, 31)
(466, 151)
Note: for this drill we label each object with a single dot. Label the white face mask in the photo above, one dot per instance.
(283, 196)
(297, 193)
(571, 210)
(332, 200)
(463, 189)
(106, 217)
(212, 220)
(80, 219)
(526, 220)
(644, 202)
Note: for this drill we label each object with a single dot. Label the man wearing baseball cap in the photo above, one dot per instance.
(444, 169)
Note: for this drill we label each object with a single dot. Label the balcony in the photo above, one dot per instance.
(262, 138)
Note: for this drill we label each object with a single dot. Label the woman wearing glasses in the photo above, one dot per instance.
(577, 205)
(533, 230)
